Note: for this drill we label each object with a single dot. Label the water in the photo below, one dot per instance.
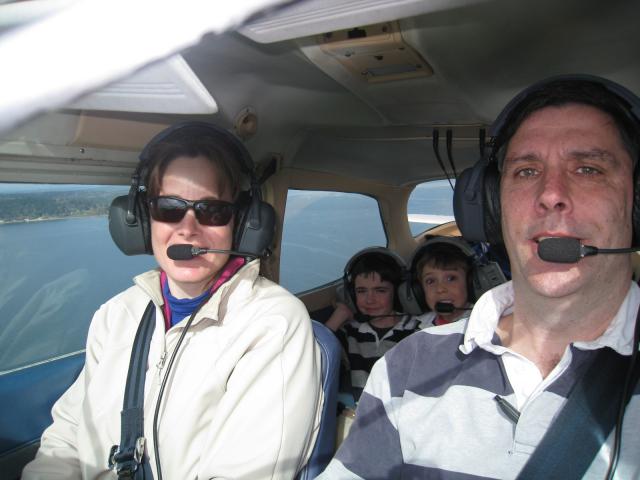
(55, 275)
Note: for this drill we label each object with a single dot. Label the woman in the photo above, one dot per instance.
(242, 394)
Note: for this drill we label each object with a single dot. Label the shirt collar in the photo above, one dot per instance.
(499, 301)
(619, 333)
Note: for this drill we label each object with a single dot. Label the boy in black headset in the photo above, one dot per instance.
(368, 323)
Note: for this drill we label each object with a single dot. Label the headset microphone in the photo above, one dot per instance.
(570, 250)
(445, 307)
(186, 251)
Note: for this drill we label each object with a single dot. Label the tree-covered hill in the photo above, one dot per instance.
(19, 207)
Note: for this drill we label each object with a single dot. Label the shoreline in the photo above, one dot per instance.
(47, 219)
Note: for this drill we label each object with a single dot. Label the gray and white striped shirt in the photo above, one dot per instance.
(429, 409)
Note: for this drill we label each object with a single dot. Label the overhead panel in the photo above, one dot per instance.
(375, 53)
(311, 17)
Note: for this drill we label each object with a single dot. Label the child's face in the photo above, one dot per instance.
(448, 286)
(374, 296)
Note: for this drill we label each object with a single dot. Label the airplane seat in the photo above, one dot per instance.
(324, 447)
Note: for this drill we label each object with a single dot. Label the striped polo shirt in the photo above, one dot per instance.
(429, 408)
(364, 347)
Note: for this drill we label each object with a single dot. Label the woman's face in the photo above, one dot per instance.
(191, 178)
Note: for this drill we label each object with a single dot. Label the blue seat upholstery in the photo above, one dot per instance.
(325, 443)
(27, 396)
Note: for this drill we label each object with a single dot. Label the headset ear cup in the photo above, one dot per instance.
(408, 300)
(145, 224)
(255, 225)
(344, 296)
(132, 238)
(418, 294)
(468, 202)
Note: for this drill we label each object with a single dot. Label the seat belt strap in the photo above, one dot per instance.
(129, 459)
(584, 424)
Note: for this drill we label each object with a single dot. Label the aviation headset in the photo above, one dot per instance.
(476, 199)
(411, 293)
(129, 222)
(346, 292)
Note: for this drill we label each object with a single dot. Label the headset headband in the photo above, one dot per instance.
(457, 242)
(200, 129)
(381, 250)
(632, 101)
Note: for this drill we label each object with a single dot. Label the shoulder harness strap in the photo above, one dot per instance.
(129, 459)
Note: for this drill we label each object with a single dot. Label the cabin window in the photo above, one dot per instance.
(321, 232)
(59, 265)
(430, 205)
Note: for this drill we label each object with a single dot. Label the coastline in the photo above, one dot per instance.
(48, 219)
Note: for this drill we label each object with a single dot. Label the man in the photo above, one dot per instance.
(450, 403)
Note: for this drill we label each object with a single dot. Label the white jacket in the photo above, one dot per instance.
(243, 399)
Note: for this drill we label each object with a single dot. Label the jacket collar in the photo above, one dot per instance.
(238, 287)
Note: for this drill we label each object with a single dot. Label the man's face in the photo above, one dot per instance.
(566, 174)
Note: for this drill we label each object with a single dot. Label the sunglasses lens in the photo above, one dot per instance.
(208, 212)
(214, 213)
(167, 209)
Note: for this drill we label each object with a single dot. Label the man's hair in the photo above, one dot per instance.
(572, 91)
(187, 145)
(377, 262)
(443, 256)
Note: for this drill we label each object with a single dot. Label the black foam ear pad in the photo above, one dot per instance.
(131, 237)
(635, 213)
(491, 217)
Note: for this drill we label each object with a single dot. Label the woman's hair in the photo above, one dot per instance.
(190, 145)
(377, 262)
(443, 256)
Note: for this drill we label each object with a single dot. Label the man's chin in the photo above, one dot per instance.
(556, 284)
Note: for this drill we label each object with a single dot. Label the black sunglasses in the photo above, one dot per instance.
(208, 212)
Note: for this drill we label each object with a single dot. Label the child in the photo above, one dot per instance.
(443, 269)
(367, 323)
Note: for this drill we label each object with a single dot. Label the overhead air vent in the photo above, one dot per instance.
(375, 53)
